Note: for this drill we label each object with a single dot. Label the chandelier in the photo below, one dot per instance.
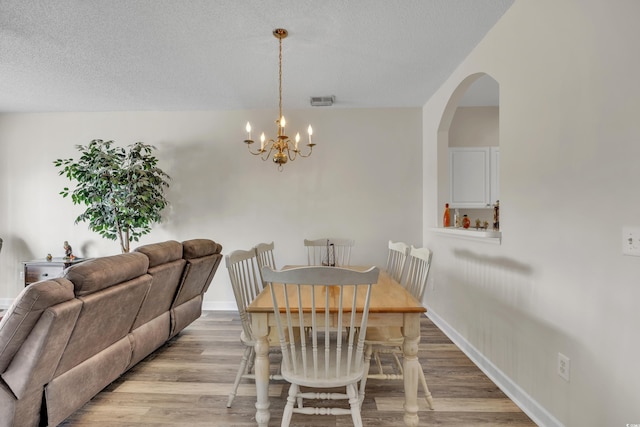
(282, 147)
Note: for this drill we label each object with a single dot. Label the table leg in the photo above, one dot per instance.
(411, 367)
(261, 333)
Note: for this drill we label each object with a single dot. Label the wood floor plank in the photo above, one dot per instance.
(451, 404)
(182, 388)
(186, 382)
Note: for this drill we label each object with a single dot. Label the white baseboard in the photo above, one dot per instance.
(529, 406)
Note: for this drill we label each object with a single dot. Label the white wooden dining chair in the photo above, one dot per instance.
(329, 252)
(389, 340)
(418, 271)
(397, 259)
(265, 256)
(328, 356)
(264, 252)
(247, 284)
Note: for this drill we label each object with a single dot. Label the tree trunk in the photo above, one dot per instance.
(124, 242)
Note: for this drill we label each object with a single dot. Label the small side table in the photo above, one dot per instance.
(41, 269)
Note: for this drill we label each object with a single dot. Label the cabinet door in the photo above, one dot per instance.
(495, 175)
(469, 177)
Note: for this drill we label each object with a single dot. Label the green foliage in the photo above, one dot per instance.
(123, 189)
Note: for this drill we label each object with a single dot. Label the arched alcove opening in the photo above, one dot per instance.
(468, 150)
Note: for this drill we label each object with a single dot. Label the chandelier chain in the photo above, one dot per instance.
(280, 80)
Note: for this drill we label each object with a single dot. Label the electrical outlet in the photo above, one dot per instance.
(631, 241)
(564, 366)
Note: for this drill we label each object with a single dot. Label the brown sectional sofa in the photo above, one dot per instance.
(65, 339)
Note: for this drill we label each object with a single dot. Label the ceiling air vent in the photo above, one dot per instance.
(322, 101)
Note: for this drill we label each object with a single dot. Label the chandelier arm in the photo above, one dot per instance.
(271, 145)
(295, 154)
(252, 152)
(310, 151)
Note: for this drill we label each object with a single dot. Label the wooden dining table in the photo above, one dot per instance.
(391, 305)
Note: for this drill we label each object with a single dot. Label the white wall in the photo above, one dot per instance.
(363, 181)
(569, 139)
(475, 127)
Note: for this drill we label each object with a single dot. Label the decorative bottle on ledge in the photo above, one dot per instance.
(466, 222)
(446, 218)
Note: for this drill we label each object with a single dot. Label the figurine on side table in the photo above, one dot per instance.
(68, 251)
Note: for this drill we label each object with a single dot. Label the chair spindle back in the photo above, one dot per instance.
(418, 271)
(397, 259)
(329, 252)
(246, 282)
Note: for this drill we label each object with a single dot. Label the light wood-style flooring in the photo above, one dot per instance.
(187, 381)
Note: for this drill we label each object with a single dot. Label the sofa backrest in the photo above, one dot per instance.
(112, 290)
(33, 335)
(25, 311)
(166, 266)
(203, 257)
(35, 361)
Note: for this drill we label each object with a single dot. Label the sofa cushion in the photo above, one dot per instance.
(106, 317)
(99, 273)
(161, 253)
(166, 279)
(68, 392)
(197, 248)
(37, 358)
(25, 311)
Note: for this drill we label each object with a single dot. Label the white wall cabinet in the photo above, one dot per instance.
(473, 176)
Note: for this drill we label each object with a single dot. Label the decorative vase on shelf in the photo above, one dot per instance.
(446, 217)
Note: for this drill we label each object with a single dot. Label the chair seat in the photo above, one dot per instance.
(325, 378)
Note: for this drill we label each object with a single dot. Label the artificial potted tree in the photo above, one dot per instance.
(123, 189)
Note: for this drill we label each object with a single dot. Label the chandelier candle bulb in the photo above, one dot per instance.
(310, 132)
(248, 128)
(297, 140)
(262, 138)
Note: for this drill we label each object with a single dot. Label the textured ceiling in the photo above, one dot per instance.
(119, 55)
